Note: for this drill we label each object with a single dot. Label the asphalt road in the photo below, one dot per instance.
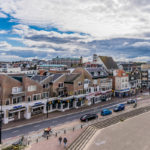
(53, 122)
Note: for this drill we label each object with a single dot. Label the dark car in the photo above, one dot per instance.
(105, 112)
(131, 101)
(88, 117)
(119, 107)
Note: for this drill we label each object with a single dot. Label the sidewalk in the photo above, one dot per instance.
(51, 115)
(52, 143)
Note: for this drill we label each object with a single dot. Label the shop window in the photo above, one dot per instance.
(19, 99)
(29, 99)
(34, 97)
(10, 115)
(14, 100)
(38, 96)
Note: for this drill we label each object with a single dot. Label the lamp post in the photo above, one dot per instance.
(1, 124)
(47, 107)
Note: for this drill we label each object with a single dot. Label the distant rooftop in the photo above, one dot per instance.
(53, 65)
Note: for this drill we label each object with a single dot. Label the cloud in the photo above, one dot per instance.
(102, 19)
(141, 44)
(2, 15)
(3, 32)
(68, 42)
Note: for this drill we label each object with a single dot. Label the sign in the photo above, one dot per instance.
(39, 103)
(17, 107)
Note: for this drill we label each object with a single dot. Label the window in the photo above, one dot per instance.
(60, 85)
(29, 99)
(95, 89)
(14, 100)
(79, 83)
(92, 73)
(34, 97)
(45, 95)
(61, 93)
(44, 86)
(16, 89)
(95, 82)
(17, 100)
(7, 102)
(31, 88)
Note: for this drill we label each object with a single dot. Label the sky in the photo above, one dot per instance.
(45, 29)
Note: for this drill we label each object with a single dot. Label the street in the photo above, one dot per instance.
(8, 133)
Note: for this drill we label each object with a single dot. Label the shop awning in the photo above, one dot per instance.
(39, 104)
(17, 108)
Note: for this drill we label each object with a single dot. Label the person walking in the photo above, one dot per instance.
(65, 141)
(60, 139)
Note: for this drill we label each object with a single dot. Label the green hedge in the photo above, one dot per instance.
(14, 148)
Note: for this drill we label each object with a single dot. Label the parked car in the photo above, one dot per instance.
(131, 101)
(119, 107)
(88, 117)
(105, 112)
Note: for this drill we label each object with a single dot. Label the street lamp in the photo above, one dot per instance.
(47, 107)
(1, 124)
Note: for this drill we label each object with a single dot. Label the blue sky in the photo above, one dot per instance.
(50, 28)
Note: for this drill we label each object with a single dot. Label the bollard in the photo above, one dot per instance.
(73, 129)
(64, 131)
(37, 140)
(81, 126)
(56, 134)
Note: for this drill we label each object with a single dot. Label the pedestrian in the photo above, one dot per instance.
(65, 141)
(60, 139)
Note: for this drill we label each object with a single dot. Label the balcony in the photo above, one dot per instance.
(61, 89)
(18, 93)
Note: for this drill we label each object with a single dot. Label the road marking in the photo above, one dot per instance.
(54, 121)
(36, 126)
(15, 131)
(71, 117)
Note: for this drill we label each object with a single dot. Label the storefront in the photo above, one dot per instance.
(80, 100)
(122, 93)
(66, 103)
(37, 108)
(54, 104)
(97, 97)
(90, 98)
(16, 113)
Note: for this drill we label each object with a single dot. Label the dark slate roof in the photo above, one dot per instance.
(97, 72)
(55, 76)
(71, 77)
(39, 78)
(109, 62)
(18, 78)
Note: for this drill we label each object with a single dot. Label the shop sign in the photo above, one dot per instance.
(39, 103)
(17, 107)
